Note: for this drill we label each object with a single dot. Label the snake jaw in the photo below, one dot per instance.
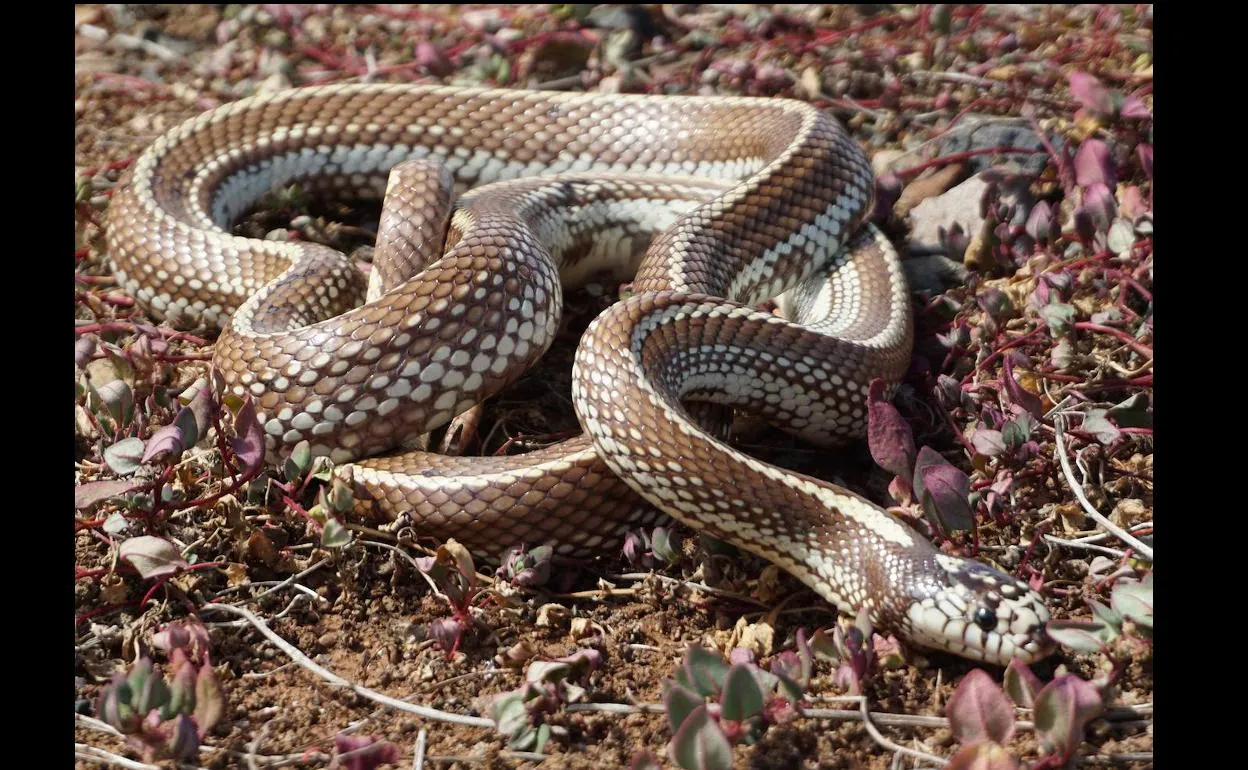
(981, 613)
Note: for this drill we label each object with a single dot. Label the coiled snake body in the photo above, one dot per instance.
(739, 201)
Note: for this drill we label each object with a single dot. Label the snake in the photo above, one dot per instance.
(493, 200)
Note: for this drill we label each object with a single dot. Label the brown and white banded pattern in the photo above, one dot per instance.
(739, 200)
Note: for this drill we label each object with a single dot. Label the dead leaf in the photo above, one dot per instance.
(112, 589)
(1130, 512)
(260, 548)
(549, 614)
(152, 556)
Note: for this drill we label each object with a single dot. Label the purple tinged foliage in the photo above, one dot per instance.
(700, 744)
(978, 711)
(1092, 93)
(1062, 710)
(118, 400)
(943, 489)
(248, 442)
(988, 442)
(1040, 225)
(1134, 107)
(996, 304)
(165, 719)
(1080, 635)
(1094, 164)
(363, 752)
(1145, 154)
(526, 568)
(431, 59)
(87, 495)
(165, 444)
(1021, 684)
(184, 744)
(447, 633)
(1100, 206)
(84, 348)
(888, 435)
(1018, 394)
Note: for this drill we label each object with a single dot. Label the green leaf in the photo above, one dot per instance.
(1081, 635)
(1105, 615)
(124, 457)
(509, 713)
(335, 534)
(298, 462)
(700, 744)
(153, 694)
(1132, 413)
(117, 400)
(1134, 601)
(209, 699)
(680, 703)
(340, 498)
(1095, 422)
(705, 671)
(1059, 317)
(742, 697)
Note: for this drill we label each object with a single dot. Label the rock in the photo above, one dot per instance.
(982, 132)
(962, 205)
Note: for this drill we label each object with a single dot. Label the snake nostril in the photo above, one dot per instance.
(985, 618)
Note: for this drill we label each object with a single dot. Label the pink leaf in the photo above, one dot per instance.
(1040, 223)
(943, 490)
(87, 495)
(165, 443)
(1091, 93)
(978, 711)
(365, 752)
(1134, 107)
(888, 436)
(1100, 206)
(248, 443)
(1094, 163)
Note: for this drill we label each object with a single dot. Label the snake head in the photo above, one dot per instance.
(980, 613)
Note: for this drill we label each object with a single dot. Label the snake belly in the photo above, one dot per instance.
(447, 328)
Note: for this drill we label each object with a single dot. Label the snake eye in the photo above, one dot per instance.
(985, 618)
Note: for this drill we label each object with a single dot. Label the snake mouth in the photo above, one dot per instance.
(1017, 634)
(981, 613)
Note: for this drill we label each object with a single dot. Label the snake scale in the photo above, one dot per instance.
(718, 203)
